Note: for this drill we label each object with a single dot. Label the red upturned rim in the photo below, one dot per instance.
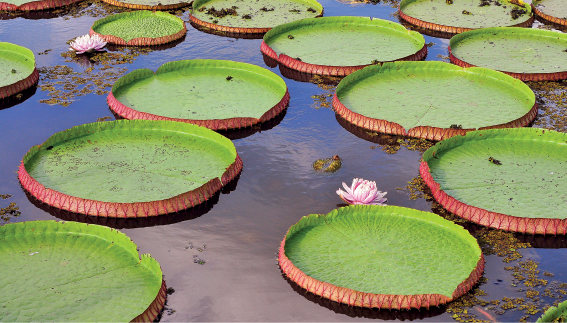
(450, 29)
(234, 30)
(213, 124)
(425, 132)
(151, 313)
(384, 301)
(327, 70)
(146, 7)
(127, 210)
(6, 91)
(488, 218)
(521, 76)
(141, 41)
(36, 5)
(556, 20)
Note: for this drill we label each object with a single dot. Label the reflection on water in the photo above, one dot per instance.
(129, 223)
(356, 311)
(17, 98)
(249, 131)
(227, 34)
(120, 48)
(132, 223)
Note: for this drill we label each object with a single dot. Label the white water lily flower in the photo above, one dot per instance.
(87, 44)
(362, 192)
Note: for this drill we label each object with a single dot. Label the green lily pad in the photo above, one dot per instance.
(457, 16)
(555, 313)
(329, 42)
(552, 10)
(243, 15)
(406, 95)
(69, 271)
(510, 179)
(129, 167)
(214, 93)
(17, 69)
(519, 51)
(125, 27)
(381, 256)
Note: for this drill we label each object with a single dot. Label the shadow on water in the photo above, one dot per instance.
(535, 240)
(115, 47)
(551, 24)
(132, 223)
(369, 313)
(541, 241)
(249, 131)
(36, 14)
(300, 76)
(375, 137)
(425, 31)
(17, 98)
(243, 132)
(227, 34)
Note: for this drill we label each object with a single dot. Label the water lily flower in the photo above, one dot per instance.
(87, 44)
(362, 192)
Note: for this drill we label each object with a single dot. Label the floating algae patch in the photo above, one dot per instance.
(64, 85)
(552, 104)
(8, 212)
(328, 85)
(328, 165)
(412, 144)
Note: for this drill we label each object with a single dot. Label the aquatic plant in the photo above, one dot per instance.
(362, 192)
(327, 264)
(87, 44)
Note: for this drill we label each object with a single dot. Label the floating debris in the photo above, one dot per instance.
(221, 13)
(328, 165)
(517, 13)
(8, 212)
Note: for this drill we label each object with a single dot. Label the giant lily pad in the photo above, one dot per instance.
(69, 271)
(526, 54)
(509, 179)
(403, 98)
(555, 313)
(215, 94)
(129, 168)
(141, 28)
(457, 16)
(149, 4)
(339, 46)
(24, 5)
(17, 69)
(381, 256)
(551, 10)
(251, 16)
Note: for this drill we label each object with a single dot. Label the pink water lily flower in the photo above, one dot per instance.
(87, 44)
(362, 192)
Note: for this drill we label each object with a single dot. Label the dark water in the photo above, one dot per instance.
(239, 235)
